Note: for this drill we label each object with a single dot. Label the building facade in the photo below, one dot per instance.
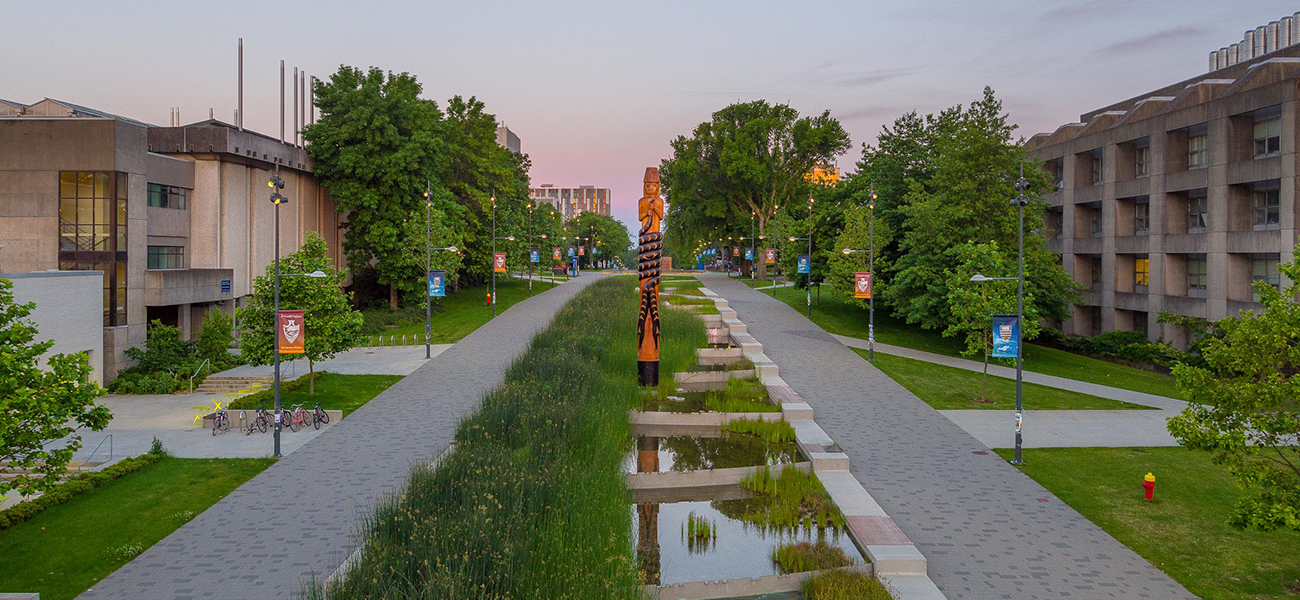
(508, 140)
(177, 218)
(572, 202)
(67, 311)
(1178, 200)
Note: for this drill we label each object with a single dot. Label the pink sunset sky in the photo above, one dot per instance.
(596, 90)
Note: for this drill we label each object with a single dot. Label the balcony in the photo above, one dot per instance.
(1186, 306)
(1186, 243)
(168, 287)
(1132, 244)
(1131, 301)
(1248, 171)
(1250, 242)
(1088, 245)
(1084, 195)
(1133, 187)
(1181, 181)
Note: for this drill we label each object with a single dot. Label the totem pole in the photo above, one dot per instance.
(651, 245)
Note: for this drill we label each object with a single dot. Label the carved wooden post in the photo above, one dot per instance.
(650, 247)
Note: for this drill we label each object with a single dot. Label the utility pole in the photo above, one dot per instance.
(276, 184)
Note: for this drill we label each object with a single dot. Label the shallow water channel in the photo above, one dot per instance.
(683, 454)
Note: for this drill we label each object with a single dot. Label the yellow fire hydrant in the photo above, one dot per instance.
(1149, 482)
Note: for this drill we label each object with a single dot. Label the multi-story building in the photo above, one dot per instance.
(177, 218)
(572, 202)
(1179, 199)
(508, 140)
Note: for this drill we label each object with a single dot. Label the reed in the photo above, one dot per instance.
(844, 585)
(774, 432)
(809, 556)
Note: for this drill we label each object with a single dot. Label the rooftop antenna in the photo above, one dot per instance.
(239, 112)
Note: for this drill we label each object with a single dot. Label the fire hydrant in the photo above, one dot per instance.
(489, 299)
(1149, 483)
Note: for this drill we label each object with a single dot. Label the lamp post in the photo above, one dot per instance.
(871, 283)
(494, 252)
(1022, 186)
(530, 250)
(753, 253)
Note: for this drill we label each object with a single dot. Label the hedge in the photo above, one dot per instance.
(77, 484)
(267, 397)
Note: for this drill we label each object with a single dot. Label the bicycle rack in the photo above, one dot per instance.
(108, 438)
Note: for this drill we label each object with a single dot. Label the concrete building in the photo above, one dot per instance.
(508, 140)
(1177, 200)
(176, 218)
(572, 202)
(67, 311)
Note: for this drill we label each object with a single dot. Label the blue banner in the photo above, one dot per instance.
(803, 263)
(749, 253)
(437, 284)
(534, 255)
(1006, 336)
(570, 251)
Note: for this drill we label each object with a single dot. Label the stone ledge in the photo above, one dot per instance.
(734, 325)
(849, 496)
(911, 586)
(896, 559)
(741, 586)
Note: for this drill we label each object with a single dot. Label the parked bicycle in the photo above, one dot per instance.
(319, 417)
(297, 418)
(261, 422)
(220, 422)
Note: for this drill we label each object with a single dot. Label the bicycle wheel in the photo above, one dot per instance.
(216, 424)
(324, 417)
(293, 423)
(262, 422)
(315, 419)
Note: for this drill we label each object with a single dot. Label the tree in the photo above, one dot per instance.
(973, 304)
(749, 160)
(975, 164)
(1243, 407)
(376, 147)
(38, 406)
(329, 323)
(611, 235)
(856, 235)
(215, 338)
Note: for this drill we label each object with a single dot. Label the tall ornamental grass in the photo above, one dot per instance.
(531, 503)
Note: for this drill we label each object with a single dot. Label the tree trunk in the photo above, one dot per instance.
(760, 253)
(311, 377)
(392, 296)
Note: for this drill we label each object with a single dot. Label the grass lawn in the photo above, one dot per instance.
(949, 388)
(67, 548)
(335, 391)
(1184, 531)
(837, 315)
(460, 313)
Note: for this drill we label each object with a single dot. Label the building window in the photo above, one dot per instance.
(1096, 165)
(1268, 132)
(1095, 265)
(1197, 276)
(1267, 205)
(93, 234)
(1141, 155)
(166, 257)
(1141, 274)
(1198, 147)
(1198, 210)
(1142, 216)
(166, 196)
(1265, 270)
(1094, 221)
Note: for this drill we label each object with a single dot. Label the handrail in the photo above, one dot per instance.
(196, 373)
(108, 438)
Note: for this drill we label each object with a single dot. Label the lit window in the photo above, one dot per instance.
(1268, 132)
(1197, 276)
(1142, 216)
(1265, 270)
(1267, 207)
(1198, 209)
(1142, 273)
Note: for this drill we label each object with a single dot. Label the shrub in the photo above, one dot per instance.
(214, 340)
(77, 484)
(808, 556)
(844, 585)
(267, 397)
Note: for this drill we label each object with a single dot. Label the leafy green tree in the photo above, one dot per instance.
(215, 338)
(376, 147)
(329, 322)
(967, 199)
(38, 406)
(749, 160)
(856, 235)
(973, 304)
(611, 235)
(164, 350)
(1243, 407)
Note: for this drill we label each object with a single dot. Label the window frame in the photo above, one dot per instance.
(163, 258)
(1198, 288)
(1270, 143)
(1142, 206)
(1198, 147)
(1142, 158)
(1141, 274)
(101, 196)
(1203, 215)
(1272, 277)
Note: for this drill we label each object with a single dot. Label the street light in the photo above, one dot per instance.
(871, 283)
(494, 251)
(1022, 186)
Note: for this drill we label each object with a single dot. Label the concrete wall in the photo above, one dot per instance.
(69, 310)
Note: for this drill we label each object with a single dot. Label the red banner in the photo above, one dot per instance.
(771, 255)
(735, 250)
(862, 285)
(499, 262)
(556, 255)
(582, 250)
(291, 334)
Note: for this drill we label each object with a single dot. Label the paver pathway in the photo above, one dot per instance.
(1067, 428)
(382, 360)
(298, 517)
(987, 530)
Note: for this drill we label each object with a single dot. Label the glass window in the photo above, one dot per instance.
(1094, 215)
(1198, 210)
(166, 196)
(1142, 273)
(1096, 167)
(1197, 276)
(1142, 216)
(1267, 207)
(1198, 146)
(166, 257)
(1141, 154)
(1096, 273)
(1268, 132)
(1265, 270)
(93, 233)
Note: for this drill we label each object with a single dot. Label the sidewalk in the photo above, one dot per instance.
(1067, 428)
(235, 550)
(383, 360)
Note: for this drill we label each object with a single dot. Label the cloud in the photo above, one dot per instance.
(877, 76)
(1152, 40)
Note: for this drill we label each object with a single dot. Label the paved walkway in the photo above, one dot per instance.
(390, 360)
(243, 547)
(987, 530)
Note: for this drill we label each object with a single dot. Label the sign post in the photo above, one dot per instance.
(1006, 344)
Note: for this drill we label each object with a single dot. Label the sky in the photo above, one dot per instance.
(597, 90)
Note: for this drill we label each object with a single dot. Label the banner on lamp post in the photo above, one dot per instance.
(771, 256)
(749, 253)
(1006, 336)
(534, 255)
(499, 262)
(735, 251)
(862, 285)
(570, 251)
(437, 284)
(582, 250)
(290, 333)
(804, 263)
(556, 255)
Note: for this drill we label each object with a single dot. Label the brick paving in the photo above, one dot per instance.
(987, 530)
(298, 518)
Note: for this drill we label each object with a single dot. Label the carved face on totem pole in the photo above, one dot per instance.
(651, 206)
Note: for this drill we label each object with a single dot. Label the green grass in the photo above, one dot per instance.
(336, 391)
(948, 388)
(844, 585)
(68, 548)
(798, 557)
(1184, 530)
(687, 300)
(840, 316)
(457, 316)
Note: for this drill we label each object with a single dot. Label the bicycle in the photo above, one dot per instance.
(261, 422)
(297, 417)
(319, 417)
(220, 422)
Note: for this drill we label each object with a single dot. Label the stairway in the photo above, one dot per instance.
(222, 384)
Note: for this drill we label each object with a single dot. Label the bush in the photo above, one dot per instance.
(844, 585)
(267, 397)
(165, 364)
(214, 340)
(77, 484)
(134, 382)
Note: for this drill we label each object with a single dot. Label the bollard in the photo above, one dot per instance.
(1149, 483)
